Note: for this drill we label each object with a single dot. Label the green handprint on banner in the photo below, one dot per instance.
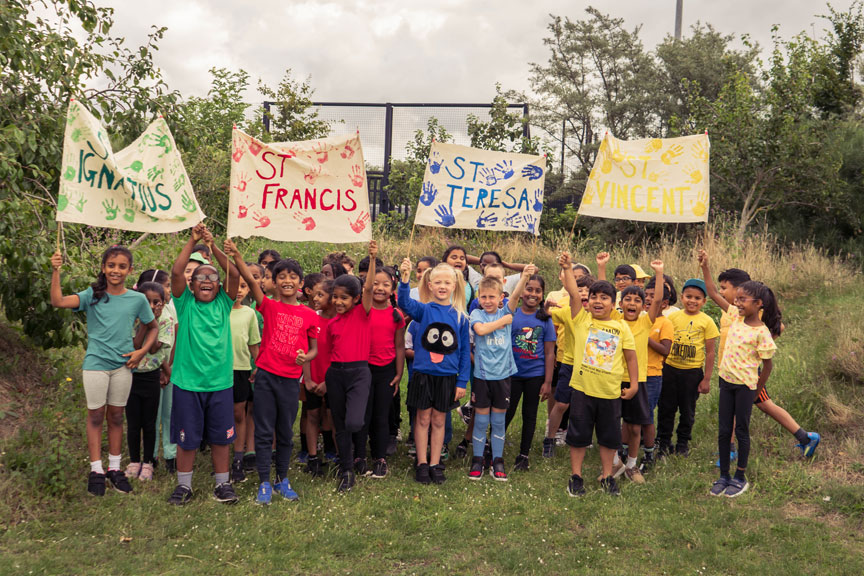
(81, 202)
(136, 166)
(76, 135)
(179, 183)
(160, 140)
(62, 202)
(187, 202)
(154, 173)
(111, 209)
(129, 214)
(69, 174)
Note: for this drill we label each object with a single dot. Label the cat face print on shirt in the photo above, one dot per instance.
(439, 339)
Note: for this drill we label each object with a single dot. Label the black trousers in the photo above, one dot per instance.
(348, 385)
(141, 411)
(396, 412)
(530, 389)
(376, 423)
(736, 405)
(679, 394)
(275, 410)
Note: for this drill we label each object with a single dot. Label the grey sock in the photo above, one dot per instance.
(221, 477)
(184, 479)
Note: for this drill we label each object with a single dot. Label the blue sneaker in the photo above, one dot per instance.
(736, 488)
(302, 457)
(283, 488)
(719, 486)
(808, 449)
(265, 493)
(733, 455)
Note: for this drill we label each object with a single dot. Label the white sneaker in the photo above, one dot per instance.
(559, 437)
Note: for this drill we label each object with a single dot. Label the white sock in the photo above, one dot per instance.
(631, 462)
(96, 466)
(616, 460)
(114, 461)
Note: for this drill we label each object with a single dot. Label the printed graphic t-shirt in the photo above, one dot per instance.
(746, 347)
(688, 344)
(529, 337)
(493, 352)
(287, 329)
(599, 366)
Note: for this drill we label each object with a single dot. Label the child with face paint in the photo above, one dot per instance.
(203, 369)
(442, 358)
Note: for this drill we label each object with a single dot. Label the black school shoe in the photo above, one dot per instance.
(224, 493)
(462, 449)
(576, 487)
(313, 467)
(610, 486)
(422, 474)
(180, 496)
(238, 476)
(379, 468)
(96, 484)
(437, 474)
(249, 464)
(346, 481)
(682, 450)
(361, 468)
(521, 463)
(118, 481)
(647, 462)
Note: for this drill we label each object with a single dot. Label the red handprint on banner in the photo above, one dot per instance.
(244, 180)
(313, 175)
(254, 147)
(238, 152)
(360, 224)
(320, 149)
(306, 221)
(357, 176)
(242, 211)
(348, 152)
(262, 219)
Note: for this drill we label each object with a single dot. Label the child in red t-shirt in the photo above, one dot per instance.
(313, 378)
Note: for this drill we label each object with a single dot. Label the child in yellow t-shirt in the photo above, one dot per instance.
(684, 377)
(562, 318)
(729, 281)
(636, 412)
(603, 352)
(659, 346)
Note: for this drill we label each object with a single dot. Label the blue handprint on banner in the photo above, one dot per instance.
(445, 216)
(488, 175)
(530, 222)
(486, 220)
(435, 163)
(532, 172)
(428, 195)
(505, 168)
(538, 200)
(513, 220)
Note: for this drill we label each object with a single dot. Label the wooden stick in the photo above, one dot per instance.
(411, 241)
(534, 250)
(572, 229)
(59, 233)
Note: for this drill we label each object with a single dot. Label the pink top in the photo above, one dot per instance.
(287, 329)
(321, 362)
(383, 329)
(349, 336)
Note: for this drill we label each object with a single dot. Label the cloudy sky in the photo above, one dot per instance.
(404, 50)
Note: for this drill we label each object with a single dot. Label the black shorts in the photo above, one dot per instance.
(589, 414)
(762, 396)
(491, 393)
(430, 391)
(636, 410)
(242, 386)
(313, 401)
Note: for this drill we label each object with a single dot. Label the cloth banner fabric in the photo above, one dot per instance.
(469, 188)
(313, 190)
(652, 180)
(142, 188)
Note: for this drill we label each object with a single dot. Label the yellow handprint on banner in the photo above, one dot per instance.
(672, 153)
(655, 176)
(695, 175)
(653, 145)
(700, 152)
(701, 205)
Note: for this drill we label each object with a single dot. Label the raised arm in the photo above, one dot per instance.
(602, 260)
(58, 300)
(569, 282)
(254, 287)
(527, 271)
(516, 267)
(408, 305)
(178, 280)
(232, 276)
(370, 277)
(659, 285)
(710, 287)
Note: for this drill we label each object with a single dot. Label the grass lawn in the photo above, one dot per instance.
(798, 518)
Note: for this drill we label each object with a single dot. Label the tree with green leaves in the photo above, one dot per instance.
(292, 115)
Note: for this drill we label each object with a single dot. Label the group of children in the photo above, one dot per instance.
(186, 350)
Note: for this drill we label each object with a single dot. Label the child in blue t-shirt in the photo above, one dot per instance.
(493, 366)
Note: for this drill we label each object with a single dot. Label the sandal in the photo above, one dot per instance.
(134, 469)
(146, 472)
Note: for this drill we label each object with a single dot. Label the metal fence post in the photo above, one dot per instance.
(267, 117)
(384, 200)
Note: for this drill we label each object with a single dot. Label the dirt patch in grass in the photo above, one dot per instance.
(22, 375)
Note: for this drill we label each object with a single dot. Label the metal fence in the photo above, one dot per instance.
(387, 129)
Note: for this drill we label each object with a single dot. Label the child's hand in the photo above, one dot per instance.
(134, 358)
(252, 376)
(602, 258)
(545, 391)
(373, 249)
(207, 236)
(460, 393)
(657, 266)
(321, 389)
(703, 258)
(230, 248)
(405, 269)
(198, 232)
(508, 319)
(550, 303)
(628, 393)
(57, 260)
(301, 357)
(529, 271)
(704, 386)
(564, 261)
